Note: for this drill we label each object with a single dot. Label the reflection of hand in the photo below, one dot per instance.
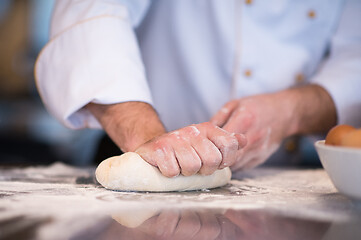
(264, 225)
(183, 225)
(201, 148)
(187, 224)
(228, 225)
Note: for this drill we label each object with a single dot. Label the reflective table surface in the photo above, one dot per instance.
(63, 202)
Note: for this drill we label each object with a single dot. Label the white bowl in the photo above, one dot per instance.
(343, 165)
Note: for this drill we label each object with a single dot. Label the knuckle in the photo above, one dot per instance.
(174, 135)
(192, 130)
(212, 162)
(248, 118)
(191, 168)
(173, 138)
(194, 166)
(228, 143)
(171, 172)
(233, 141)
(166, 163)
(160, 143)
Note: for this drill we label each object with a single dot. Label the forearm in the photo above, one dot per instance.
(313, 110)
(128, 124)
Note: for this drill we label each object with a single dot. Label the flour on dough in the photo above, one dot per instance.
(129, 172)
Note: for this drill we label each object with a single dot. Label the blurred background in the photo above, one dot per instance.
(28, 134)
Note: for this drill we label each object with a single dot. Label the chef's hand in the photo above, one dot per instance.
(269, 118)
(188, 224)
(262, 224)
(135, 126)
(183, 224)
(264, 122)
(200, 148)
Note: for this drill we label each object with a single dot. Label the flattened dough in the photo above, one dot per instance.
(129, 172)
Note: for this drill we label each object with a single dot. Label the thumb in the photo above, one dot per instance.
(222, 116)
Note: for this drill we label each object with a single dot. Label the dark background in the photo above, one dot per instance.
(28, 134)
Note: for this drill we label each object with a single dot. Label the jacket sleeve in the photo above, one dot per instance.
(340, 74)
(92, 56)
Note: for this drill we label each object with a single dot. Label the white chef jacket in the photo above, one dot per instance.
(189, 57)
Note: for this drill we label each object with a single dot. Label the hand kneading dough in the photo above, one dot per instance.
(129, 172)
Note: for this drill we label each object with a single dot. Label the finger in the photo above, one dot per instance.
(244, 156)
(261, 158)
(159, 153)
(209, 154)
(258, 151)
(233, 158)
(188, 225)
(147, 154)
(240, 121)
(187, 158)
(228, 229)
(241, 156)
(210, 227)
(226, 143)
(251, 153)
(220, 118)
(245, 220)
(167, 162)
(166, 223)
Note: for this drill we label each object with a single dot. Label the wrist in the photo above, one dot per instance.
(128, 124)
(288, 107)
(310, 110)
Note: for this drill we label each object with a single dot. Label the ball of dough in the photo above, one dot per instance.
(129, 172)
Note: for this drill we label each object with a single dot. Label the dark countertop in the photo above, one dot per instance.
(63, 202)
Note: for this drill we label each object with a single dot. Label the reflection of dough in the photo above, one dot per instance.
(129, 172)
(134, 218)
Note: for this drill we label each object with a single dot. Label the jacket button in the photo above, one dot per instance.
(300, 78)
(248, 73)
(248, 2)
(311, 14)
